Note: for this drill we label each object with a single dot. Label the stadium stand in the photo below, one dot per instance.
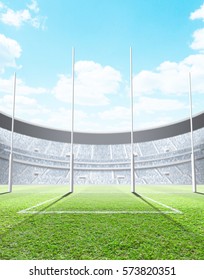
(163, 158)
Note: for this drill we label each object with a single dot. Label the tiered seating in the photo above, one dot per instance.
(165, 161)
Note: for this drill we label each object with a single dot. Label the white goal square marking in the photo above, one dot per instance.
(33, 210)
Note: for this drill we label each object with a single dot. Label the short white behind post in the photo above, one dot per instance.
(10, 179)
(71, 173)
(194, 187)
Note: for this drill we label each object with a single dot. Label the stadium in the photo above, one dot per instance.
(162, 155)
(101, 219)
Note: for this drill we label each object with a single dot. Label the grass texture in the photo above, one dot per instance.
(101, 223)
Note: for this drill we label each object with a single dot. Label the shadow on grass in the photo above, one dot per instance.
(165, 215)
(147, 202)
(200, 193)
(4, 193)
(31, 216)
(53, 203)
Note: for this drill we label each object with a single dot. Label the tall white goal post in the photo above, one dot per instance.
(72, 127)
(132, 169)
(10, 179)
(194, 187)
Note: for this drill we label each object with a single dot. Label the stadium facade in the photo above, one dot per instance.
(42, 155)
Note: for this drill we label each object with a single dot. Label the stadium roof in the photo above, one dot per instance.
(156, 133)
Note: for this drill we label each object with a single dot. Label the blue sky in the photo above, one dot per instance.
(36, 40)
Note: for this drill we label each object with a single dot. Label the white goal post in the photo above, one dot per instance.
(10, 179)
(132, 168)
(194, 187)
(72, 128)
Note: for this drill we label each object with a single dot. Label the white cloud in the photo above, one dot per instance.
(116, 113)
(24, 89)
(17, 18)
(172, 77)
(61, 119)
(93, 83)
(33, 6)
(198, 14)
(27, 105)
(6, 86)
(147, 113)
(198, 35)
(24, 105)
(32, 109)
(10, 17)
(153, 105)
(9, 51)
(198, 40)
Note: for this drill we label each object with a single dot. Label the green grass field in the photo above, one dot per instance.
(101, 222)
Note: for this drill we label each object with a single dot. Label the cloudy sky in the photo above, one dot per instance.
(36, 40)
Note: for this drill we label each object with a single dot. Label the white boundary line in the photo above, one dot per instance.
(27, 210)
(39, 204)
(164, 205)
(104, 212)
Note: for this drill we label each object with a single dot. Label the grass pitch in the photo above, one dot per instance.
(101, 222)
